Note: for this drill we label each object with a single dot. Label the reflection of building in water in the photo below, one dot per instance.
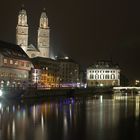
(103, 73)
(14, 65)
(137, 108)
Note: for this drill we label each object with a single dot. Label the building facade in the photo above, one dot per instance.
(103, 73)
(14, 65)
(22, 35)
(45, 72)
(68, 72)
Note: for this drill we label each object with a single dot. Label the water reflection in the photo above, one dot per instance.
(81, 118)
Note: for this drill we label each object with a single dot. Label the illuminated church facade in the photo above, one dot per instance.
(43, 37)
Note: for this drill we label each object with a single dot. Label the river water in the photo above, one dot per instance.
(79, 118)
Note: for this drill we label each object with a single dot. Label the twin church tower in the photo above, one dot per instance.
(43, 38)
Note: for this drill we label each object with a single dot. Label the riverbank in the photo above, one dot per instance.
(42, 93)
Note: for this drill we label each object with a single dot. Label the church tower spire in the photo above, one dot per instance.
(43, 35)
(22, 30)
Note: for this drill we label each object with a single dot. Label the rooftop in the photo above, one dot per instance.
(12, 51)
(103, 64)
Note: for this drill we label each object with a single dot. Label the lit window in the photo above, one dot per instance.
(101, 76)
(91, 76)
(25, 76)
(112, 76)
(16, 62)
(5, 61)
(11, 62)
(107, 77)
(96, 76)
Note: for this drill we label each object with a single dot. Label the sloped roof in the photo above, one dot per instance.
(31, 47)
(12, 51)
(103, 64)
(67, 60)
(41, 62)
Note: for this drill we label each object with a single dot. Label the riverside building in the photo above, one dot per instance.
(103, 73)
(45, 72)
(68, 72)
(14, 65)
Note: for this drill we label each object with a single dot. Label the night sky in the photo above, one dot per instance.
(86, 30)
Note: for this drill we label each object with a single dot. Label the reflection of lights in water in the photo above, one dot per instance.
(113, 112)
(13, 129)
(101, 98)
(8, 130)
(70, 110)
(137, 107)
(7, 109)
(19, 107)
(68, 101)
(42, 122)
(101, 113)
(0, 106)
(120, 97)
(72, 100)
(43, 128)
(13, 108)
(24, 114)
(65, 126)
(125, 99)
(34, 113)
(1, 93)
(56, 110)
(18, 115)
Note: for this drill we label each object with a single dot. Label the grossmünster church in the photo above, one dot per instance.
(22, 35)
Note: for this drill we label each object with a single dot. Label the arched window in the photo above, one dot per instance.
(112, 76)
(107, 76)
(96, 76)
(91, 76)
(101, 76)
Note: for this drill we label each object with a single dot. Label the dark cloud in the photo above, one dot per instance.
(86, 30)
